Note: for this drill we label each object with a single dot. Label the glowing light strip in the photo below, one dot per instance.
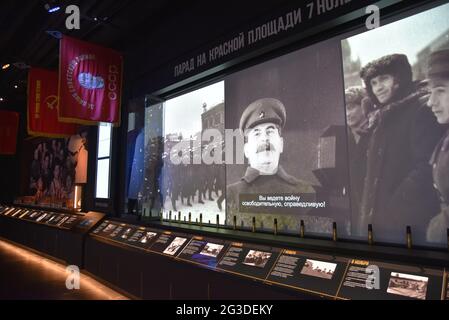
(87, 284)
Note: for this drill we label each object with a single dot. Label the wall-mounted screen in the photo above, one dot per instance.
(337, 132)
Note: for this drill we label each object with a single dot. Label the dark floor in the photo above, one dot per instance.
(27, 276)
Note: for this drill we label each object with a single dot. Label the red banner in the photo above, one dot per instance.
(9, 125)
(90, 83)
(43, 105)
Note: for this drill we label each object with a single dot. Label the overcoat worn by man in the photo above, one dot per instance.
(398, 184)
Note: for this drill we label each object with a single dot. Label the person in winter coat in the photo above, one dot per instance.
(403, 133)
(438, 74)
(358, 137)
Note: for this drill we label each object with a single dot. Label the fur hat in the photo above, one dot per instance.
(396, 65)
(439, 64)
(355, 95)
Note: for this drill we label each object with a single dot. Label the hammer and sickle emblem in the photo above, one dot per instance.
(261, 114)
(51, 101)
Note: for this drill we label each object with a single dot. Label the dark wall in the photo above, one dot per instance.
(181, 33)
(10, 164)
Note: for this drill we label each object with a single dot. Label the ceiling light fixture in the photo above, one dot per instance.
(51, 7)
(5, 66)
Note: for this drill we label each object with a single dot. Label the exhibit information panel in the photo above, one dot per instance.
(9, 211)
(142, 237)
(112, 230)
(102, 229)
(125, 234)
(70, 222)
(85, 222)
(16, 213)
(316, 273)
(32, 215)
(375, 280)
(67, 221)
(204, 251)
(170, 243)
(24, 214)
(135, 236)
(249, 260)
(55, 220)
(311, 272)
(325, 275)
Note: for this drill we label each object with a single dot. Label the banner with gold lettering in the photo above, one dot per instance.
(43, 105)
(90, 82)
(9, 125)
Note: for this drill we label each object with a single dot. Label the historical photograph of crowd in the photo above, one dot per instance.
(56, 166)
(318, 269)
(189, 186)
(408, 285)
(257, 258)
(397, 106)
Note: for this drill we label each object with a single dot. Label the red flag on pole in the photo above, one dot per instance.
(90, 82)
(43, 105)
(9, 125)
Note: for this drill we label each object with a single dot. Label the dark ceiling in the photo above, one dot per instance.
(156, 31)
(23, 36)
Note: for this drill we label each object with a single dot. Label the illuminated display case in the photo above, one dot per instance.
(57, 234)
(319, 274)
(54, 219)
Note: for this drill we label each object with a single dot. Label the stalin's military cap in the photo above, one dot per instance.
(262, 111)
(439, 63)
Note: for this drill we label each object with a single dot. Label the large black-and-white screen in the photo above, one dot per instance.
(340, 131)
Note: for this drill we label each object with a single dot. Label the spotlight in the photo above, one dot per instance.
(16, 86)
(5, 66)
(51, 7)
(1, 99)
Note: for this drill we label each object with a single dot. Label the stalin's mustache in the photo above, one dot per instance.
(267, 146)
